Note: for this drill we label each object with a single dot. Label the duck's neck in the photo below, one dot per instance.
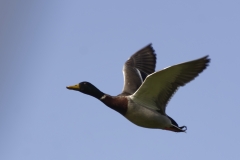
(97, 94)
(92, 91)
(117, 103)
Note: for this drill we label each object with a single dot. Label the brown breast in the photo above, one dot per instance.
(118, 103)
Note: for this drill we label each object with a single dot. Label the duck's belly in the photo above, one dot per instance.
(145, 117)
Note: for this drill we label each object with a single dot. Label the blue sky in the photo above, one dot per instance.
(47, 45)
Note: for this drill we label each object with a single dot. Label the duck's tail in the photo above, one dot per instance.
(176, 128)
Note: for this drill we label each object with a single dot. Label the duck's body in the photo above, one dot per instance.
(136, 113)
(145, 117)
(146, 93)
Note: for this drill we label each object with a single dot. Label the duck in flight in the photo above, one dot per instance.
(145, 92)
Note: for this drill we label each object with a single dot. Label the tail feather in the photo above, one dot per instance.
(174, 128)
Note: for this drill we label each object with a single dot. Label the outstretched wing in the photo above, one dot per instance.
(158, 88)
(137, 68)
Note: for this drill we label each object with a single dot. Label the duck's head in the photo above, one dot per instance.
(87, 88)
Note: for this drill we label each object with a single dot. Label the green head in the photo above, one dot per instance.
(87, 88)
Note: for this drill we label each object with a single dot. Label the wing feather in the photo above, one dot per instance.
(137, 68)
(159, 87)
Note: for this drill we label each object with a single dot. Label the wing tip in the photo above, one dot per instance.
(206, 59)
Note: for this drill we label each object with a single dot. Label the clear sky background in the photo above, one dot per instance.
(46, 45)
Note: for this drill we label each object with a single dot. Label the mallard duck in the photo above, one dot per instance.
(146, 93)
